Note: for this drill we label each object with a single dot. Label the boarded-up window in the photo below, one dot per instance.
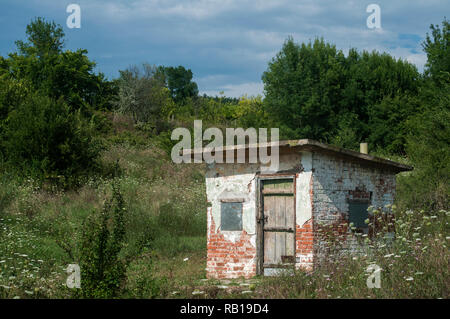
(358, 215)
(231, 216)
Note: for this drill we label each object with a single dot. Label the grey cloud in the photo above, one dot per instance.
(230, 41)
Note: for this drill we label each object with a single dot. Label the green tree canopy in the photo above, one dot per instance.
(314, 91)
(142, 94)
(57, 73)
(179, 81)
(437, 48)
(44, 38)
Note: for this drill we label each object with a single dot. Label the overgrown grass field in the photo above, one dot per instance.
(164, 246)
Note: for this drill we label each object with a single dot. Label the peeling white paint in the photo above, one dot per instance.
(304, 261)
(238, 181)
(331, 179)
(304, 258)
(230, 186)
(232, 236)
(303, 196)
(331, 196)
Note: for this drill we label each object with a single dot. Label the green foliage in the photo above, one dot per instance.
(428, 143)
(102, 271)
(314, 91)
(179, 81)
(43, 138)
(12, 93)
(347, 132)
(388, 122)
(57, 73)
(44, 38)
(165, 142)
(46, 97)
(141, 94)
(437, 48)
(141, 280)
(301, 86)
(175, 220)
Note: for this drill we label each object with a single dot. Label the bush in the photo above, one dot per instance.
(43, 138)
(427, 186)
(141, 280)
(102, 271)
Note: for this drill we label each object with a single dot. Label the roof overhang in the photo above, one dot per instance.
(308, 145)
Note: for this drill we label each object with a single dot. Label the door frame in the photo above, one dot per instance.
(260, 178)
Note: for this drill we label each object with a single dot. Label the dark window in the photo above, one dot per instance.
(358, 214)
(231, 216)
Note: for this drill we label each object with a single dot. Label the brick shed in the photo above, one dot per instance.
(259, 223)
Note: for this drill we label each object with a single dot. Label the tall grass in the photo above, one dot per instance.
(414, 265)
(41, 228)
(164, 248)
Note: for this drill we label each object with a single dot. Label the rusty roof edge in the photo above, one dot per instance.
(366, 157)
(193, 151)
(301, 144)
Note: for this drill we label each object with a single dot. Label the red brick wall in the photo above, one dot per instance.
(336, 182)
(227, 259)
(304, 245)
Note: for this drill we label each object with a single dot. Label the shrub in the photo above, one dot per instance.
(102, 271)
(427, 186)
(45, 139)
(141, 280)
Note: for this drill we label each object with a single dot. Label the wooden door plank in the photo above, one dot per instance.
(290, 251)
(269, 211)
(269, 247)
(281, 220)
(278, 229)
(290, 222)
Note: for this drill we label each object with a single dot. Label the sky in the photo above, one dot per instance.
(226, 43)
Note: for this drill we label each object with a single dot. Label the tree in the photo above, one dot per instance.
(57, 73)
(179, 82)
(437, 48)
(314, 91)
(429, 152)
(375, 85)
(142, 94)
(43, 138)
(46, 96)
(428, 138)
(302, 85)
(44, 38)
(388, 122)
